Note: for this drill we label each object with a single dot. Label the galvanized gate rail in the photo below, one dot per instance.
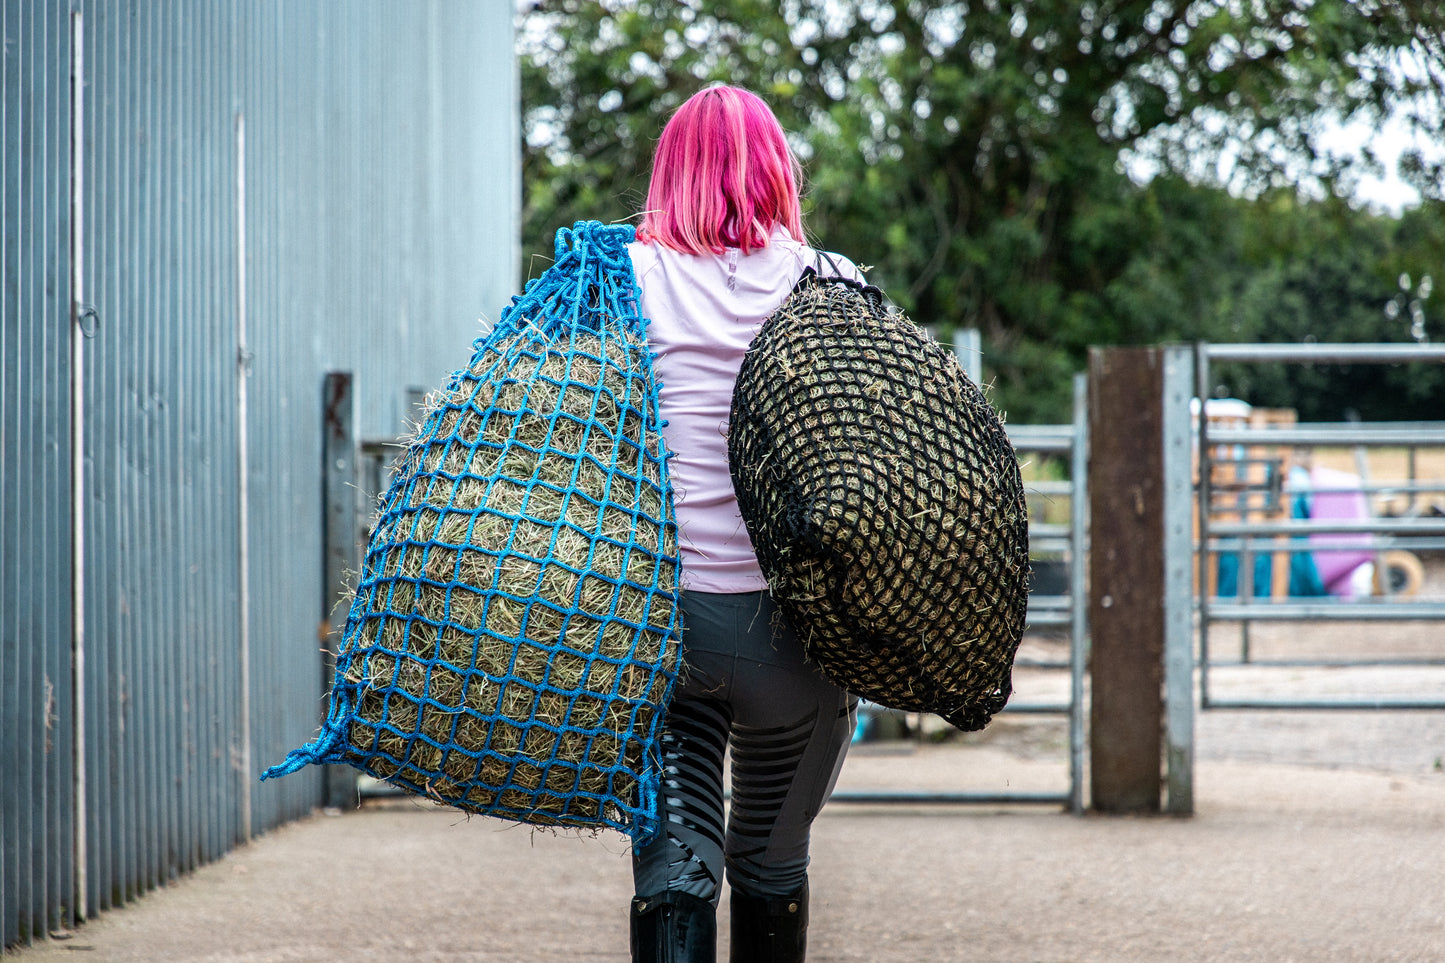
(375, 459)
(1249, 538)
(1070, 542)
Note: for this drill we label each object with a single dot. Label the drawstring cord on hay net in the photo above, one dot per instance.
(328, 745)
(324, 748)
(558, 299)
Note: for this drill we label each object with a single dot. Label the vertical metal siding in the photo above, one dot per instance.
(36, 795)
(381, 187)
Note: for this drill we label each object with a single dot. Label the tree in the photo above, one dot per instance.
(1320, 272)
(975, 152)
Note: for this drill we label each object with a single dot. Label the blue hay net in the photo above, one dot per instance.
(513, 640)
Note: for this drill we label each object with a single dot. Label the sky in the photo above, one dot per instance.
(1388, 193)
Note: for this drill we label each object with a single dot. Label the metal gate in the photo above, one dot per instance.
(1263, 520)
(1064, 607)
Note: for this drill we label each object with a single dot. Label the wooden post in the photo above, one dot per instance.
(1126, 578)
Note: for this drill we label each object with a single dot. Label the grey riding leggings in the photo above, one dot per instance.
(744, 682)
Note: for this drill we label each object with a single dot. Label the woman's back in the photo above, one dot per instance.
(704, 310)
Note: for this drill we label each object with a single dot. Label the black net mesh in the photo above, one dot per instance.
(884, 502)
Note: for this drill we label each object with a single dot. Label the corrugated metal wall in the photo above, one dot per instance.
(36, 816)
(268, 191)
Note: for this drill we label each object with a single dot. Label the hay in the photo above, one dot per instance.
(513, 639)
(885, 504)
(516, 622)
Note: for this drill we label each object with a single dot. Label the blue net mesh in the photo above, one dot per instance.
(513, 639)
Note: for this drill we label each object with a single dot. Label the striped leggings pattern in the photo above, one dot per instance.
(748, 698)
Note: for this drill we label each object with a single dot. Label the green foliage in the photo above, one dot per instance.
(1325, 273)
(975, 153)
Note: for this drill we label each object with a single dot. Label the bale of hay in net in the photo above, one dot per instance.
(884, 501)
(514, 635)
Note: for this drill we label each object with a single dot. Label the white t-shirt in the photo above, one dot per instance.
(704, 311)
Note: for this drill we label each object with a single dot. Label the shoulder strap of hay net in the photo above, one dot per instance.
(825, 270)
(513, 638)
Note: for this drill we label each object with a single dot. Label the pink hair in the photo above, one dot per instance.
(723, 176)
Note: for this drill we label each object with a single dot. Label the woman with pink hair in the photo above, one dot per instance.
(719, 248)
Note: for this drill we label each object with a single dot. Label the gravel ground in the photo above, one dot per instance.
(1318, 836)
(1292, 861)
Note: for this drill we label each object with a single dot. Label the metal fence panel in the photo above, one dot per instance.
(1066, 542)
(268, 192)
(1254, 523)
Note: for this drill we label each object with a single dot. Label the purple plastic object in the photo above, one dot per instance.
(1337, 498)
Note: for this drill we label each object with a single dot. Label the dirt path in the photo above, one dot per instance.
(1319, 836)
(1282, 862)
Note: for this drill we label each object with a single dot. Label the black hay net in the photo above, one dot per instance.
(885, 503)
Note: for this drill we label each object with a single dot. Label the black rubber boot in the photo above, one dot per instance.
(769, 929)
(673, 928)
